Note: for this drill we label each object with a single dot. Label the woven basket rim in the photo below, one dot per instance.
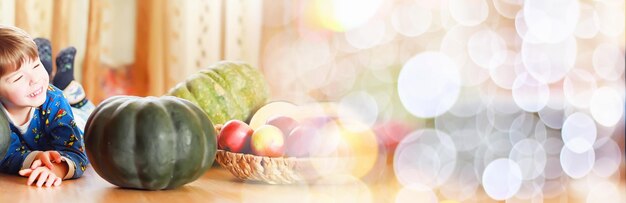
(272, 170)
(283, 157)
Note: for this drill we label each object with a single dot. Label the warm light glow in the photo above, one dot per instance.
(342, 15)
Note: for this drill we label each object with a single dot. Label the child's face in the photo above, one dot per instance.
(26, 87)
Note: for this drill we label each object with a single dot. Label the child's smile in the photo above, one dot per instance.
(36, 93)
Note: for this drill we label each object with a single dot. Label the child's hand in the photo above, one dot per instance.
(46, 158)
(43, 175)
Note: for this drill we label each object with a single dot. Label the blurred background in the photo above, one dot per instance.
(523, 100)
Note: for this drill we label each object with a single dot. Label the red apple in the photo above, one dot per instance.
(235, 136)
(284, 123)
(268, 140)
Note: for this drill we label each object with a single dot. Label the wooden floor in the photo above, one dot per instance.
(217, 185)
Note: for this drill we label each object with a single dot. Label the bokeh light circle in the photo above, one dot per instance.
(522, 29)
(579, 132)
(508, 8)
(359, 106)
(608, 61)
(607, 106)
(549, 63)
(468, 12)
(531, 158)
(368, 35)
(487, 49)
(463, 184)
(502, 179)
(608, 157)
(577, 165)
(425, 157)
(455, 45)
(551, 21)
(429, 84)
(504, 75)
(530, 94)
(578, 87)
(411, 20)
(552, 118)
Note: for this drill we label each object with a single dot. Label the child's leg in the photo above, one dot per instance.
(73, 91)
(65, 68)
(45, 53)
(64, 78)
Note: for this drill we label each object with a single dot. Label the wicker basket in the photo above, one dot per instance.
(273, 170)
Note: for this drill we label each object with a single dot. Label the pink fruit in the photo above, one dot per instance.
(284, 123)
(300, 140)
(318, 121)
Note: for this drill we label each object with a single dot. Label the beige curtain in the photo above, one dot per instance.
(7, 12)
(141, 47)
(175, 38)
(92, 72)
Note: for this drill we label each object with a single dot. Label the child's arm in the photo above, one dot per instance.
(49, 159)
(45, 175)
(67, 139)
(23, 161)
(18, 156)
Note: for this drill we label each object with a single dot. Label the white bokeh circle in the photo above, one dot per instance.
(425, 157)
(502, 179)
(579, 132)
(429, 84)
(551, 21)
(607, 106)
(577, 165)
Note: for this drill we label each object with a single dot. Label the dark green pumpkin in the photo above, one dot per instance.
(5, 134)
(149, 143)
(225, 91)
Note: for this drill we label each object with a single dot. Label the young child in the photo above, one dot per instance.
(46, 142)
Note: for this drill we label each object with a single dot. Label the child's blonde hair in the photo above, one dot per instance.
(16, 47)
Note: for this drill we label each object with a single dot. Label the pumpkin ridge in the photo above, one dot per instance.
(157, 158)
(183, 92)
(230, 95)
(209, 141)
(174, 152)
(111, 171)
(218, 113)
(98, 128)
(171, 109)
(251, 84)
(259, 82)
(222, 94)
(207, 124)
(117, 155)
